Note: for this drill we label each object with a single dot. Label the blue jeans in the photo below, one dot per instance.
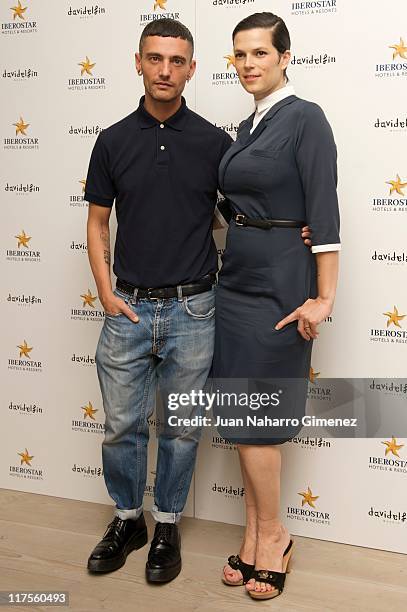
(169, 349)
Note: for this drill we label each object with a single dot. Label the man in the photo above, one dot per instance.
(160, 165)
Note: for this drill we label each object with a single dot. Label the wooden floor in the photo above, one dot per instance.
(45, 542)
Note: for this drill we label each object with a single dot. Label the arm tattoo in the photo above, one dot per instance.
(105, 236)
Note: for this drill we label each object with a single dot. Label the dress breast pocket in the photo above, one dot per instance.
(272, 151)
(265, 153)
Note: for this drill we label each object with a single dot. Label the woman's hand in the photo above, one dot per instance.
(309, 315)
(306, 235)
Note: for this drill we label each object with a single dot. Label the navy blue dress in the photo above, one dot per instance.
(285, 169)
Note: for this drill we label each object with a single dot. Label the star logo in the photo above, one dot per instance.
(89, 411)
(392, 447)
(394, 317)
(25, 457)
(21, 127)
(23, 239)
(397, 185)
(25, 349)
(83, 183)
(399, 49)
(18, 11)
(231, 61)
(86, 67)
(88, 299)
(160, 4)
(313, 375)
(308, 498)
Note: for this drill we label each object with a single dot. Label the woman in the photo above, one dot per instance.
(273, 291)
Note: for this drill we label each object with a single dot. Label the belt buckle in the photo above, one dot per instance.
(239, 219)
(150, 297)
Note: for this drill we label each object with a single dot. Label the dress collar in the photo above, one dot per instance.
(266, 103)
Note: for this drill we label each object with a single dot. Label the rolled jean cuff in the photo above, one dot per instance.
(165, 517)
(134, 513)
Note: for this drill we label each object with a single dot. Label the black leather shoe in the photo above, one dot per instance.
(120, 538)
(164, 558)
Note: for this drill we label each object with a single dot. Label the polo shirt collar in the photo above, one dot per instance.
(176, 121)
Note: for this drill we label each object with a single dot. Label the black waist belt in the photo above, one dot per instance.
(266, 223)
(203, 284)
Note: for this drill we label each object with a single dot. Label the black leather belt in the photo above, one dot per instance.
(159, 293)
(244, 221)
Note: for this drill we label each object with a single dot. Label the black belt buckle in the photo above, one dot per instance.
(149, 296)
(240, 220)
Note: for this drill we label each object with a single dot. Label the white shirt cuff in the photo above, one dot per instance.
(323, 248)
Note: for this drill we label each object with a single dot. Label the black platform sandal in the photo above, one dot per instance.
(246, 569)
(276, 579)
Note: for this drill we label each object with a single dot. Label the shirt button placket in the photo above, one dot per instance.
(162, 147)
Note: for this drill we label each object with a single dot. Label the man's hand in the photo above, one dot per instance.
(306, 236)
(309, 315)
(114, 305)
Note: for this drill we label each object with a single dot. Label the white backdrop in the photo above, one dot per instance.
(349, 58)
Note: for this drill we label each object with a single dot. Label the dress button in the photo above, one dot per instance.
(161, 125)
(162, 148)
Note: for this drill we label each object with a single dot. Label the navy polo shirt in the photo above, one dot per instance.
(163, 178)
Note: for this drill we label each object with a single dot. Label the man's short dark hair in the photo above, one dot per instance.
(167, 28)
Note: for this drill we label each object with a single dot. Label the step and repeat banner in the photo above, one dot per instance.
(67, 72)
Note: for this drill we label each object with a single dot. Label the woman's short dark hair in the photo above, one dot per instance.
(167, 28)
(280, 36)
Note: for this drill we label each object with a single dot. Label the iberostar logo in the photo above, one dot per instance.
(394, 317)
(86, 81)
(400, 50)
(308, 498)
(313, 375)
(18, 11)
(392, 447)
(231, 61)
(25, 457)
(21, 127)
(88, 312)
(397, 185)
(25, 349)
(307, 511)
(22, 239)
(86, 66)
(158, 10)
(21, 140)
(89, 411)
(83, 183)
(88, 299)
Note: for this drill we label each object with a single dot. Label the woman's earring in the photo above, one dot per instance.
(139, 72)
